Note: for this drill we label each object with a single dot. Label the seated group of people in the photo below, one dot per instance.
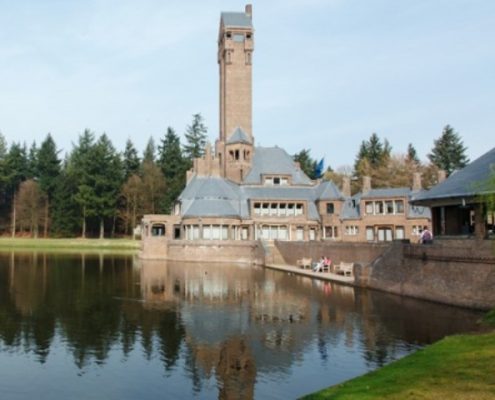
(324, 262)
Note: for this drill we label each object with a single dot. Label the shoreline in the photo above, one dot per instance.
(69, 244)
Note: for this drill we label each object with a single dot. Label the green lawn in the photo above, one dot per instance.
(69, 244)
(457, 367)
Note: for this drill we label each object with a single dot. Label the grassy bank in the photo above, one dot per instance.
(69, 244)
(457, 367)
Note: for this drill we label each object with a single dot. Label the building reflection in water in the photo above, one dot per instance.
(228, 323)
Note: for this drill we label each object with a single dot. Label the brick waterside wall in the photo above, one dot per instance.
(455, 272)
(460, 273)
(204, 251)
(360, 253)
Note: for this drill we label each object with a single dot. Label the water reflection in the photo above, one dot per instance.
(228, 331)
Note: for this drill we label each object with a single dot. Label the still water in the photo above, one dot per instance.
(113, 327)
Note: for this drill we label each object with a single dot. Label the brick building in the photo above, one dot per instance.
(240, 191)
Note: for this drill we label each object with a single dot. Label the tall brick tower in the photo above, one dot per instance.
(235, 49)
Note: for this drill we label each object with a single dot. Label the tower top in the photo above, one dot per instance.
(243, 20)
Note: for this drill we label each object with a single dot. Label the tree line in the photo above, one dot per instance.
(387, 169)
(95, 190)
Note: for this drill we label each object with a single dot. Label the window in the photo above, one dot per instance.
(330, 208)
(378, 207)
(389, 206)
(215, 232)
(299, 233)
(370, 234)
(158, 230)
(269, 181)
(273, 209)
(399, 232)
(330, 232)
(312, 234)
(207, 232)
(282, 211)
(351, 230)
(299, 209)
(399, 207)
(369, 207)
(290, 209)
(176, 231)
(237, 154)
(284, 181)
(238, 37)
(276, 181)
(228, 35)
(257, 208)
(265, 210)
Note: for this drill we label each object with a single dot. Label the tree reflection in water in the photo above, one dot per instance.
(237, 326)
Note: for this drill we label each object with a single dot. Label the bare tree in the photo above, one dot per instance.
(29, 206)
(132, 195)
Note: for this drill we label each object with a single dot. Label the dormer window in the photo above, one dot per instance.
(276, 181)
(330, 208)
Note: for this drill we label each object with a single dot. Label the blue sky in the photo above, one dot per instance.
(326, 73)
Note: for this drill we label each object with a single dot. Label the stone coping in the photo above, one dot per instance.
(325, 276)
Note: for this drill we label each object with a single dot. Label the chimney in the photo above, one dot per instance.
(249, 10)
(416, 183)
(346, 186)
(366, 184)
(442, 175)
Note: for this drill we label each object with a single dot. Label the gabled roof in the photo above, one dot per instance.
(351, 208)
(236, 20)
(276, 161)
(327, 190)
(239, 136)
(470, 181)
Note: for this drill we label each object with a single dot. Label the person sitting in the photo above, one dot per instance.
(319, 265)
(426, 236)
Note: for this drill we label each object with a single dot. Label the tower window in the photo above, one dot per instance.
(237, 154)
(238, 37)
(330, 208)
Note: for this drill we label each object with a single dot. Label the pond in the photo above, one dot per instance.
(85, 326)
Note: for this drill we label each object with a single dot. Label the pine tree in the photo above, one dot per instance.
(449, 153)
(149, 153)
(306, 162)
(80, 169)
(47, 171)
(173, 166)
(107, 178)
(196, 135)
(66, 212)
(17, 170)
(33, 161)
(412, 155)
(131, 160)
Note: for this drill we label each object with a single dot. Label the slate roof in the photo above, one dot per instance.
(274, 160)
(218, 197)
(351, 208)
(386, 192)
(210, 197)
(468, 182)
(239, 136)
(236, 20)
